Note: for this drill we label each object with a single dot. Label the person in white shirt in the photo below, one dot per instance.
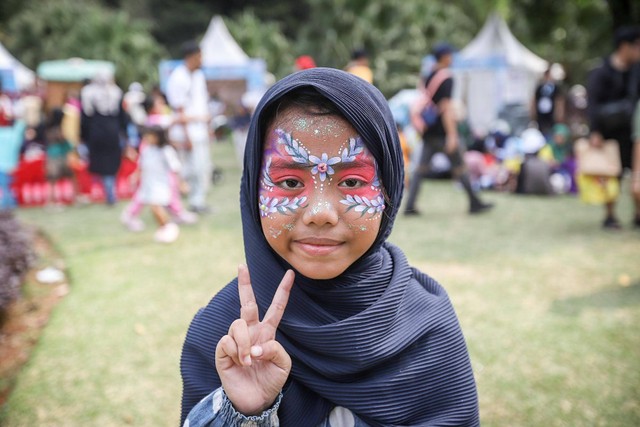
(189, 98)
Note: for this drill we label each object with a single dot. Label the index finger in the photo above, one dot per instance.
(280, 300)
(248, 306)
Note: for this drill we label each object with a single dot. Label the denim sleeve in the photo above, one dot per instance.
(216, 410)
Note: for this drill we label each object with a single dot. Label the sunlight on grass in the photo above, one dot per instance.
(548, 302)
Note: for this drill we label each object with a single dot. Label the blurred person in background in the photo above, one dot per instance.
(304, 62)
(6, 108)
(58, 149)
(103, 125)
(158, 116)
(157, 162)
(359, 65)
(613, 89)
(434, 118)
(188, 96)
(548, 104)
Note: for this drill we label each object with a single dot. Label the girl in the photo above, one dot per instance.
(158, 115)
(58, 149)
(157, 162)
(361, 338)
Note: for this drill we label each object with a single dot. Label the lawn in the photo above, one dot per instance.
(549, 304)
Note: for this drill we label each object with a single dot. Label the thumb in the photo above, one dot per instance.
(274, 352)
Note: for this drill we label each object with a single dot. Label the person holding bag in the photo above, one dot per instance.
(433, 117)
(613, 89)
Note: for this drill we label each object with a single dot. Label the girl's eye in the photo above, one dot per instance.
(351, 183)
(291, 184)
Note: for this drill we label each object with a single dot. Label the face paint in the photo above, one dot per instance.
(285, 162)
(320, 198)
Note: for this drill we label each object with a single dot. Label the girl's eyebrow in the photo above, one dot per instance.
(364, 163)
(282, 163)
(279, 163)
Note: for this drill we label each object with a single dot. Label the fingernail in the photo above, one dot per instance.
(247, 360)
(256, 351)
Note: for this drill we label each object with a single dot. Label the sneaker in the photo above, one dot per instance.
(186, 217)
(168, 233)
(132, 223)
(611, 223)
(411, 212)
(201, 210)
(480, 207)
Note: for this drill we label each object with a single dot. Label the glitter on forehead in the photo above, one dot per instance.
(301, 123)
(325, 126)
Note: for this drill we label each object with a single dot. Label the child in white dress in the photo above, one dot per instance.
(157, 162)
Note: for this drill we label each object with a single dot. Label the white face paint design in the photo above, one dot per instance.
(319, 188)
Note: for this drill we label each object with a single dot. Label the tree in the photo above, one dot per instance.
(574, 34)
(60, 29)
(263, 39)
(397, 35)
(624, 12)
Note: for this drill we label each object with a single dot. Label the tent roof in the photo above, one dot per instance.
(24, 77)
(72, 69)
(496, 40)
(219, 48)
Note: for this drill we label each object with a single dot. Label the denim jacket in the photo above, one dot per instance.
(216, 410)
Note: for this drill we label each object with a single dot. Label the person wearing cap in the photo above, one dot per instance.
(304, 62)
(434, 118)
(188, 96)
(359, 65)
(613, 89)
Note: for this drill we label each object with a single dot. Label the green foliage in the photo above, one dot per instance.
(260, 39)
(178, 21)
(397, 35)
(60, 29)
(574, 34)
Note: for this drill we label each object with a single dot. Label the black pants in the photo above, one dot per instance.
(432, 145)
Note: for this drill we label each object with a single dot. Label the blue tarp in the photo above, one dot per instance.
(253, 73)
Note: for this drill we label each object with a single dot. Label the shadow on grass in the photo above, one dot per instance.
(606, 299)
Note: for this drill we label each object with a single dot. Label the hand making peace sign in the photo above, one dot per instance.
(252, 365)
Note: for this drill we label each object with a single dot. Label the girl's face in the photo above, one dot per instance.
(320, 200)
(150, 138)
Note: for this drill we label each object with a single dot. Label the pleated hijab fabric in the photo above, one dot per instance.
(381, 339)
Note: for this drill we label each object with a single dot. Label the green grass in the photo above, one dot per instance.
(538, 287)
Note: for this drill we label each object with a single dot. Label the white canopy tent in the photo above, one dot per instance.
(229, 71)
(219, 48)
(495, 72)
(18, 76)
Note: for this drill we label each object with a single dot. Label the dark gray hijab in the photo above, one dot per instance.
(382, 338)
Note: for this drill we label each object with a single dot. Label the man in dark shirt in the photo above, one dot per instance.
(548, 104)
(615, 80)
(433, 116)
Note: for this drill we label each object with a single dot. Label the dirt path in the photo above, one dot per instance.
(24, 321)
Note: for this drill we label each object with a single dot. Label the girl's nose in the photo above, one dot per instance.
(320, 211)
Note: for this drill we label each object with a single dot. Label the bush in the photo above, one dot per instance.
(16, 257)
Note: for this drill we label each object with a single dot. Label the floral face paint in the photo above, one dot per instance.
(319, 187)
